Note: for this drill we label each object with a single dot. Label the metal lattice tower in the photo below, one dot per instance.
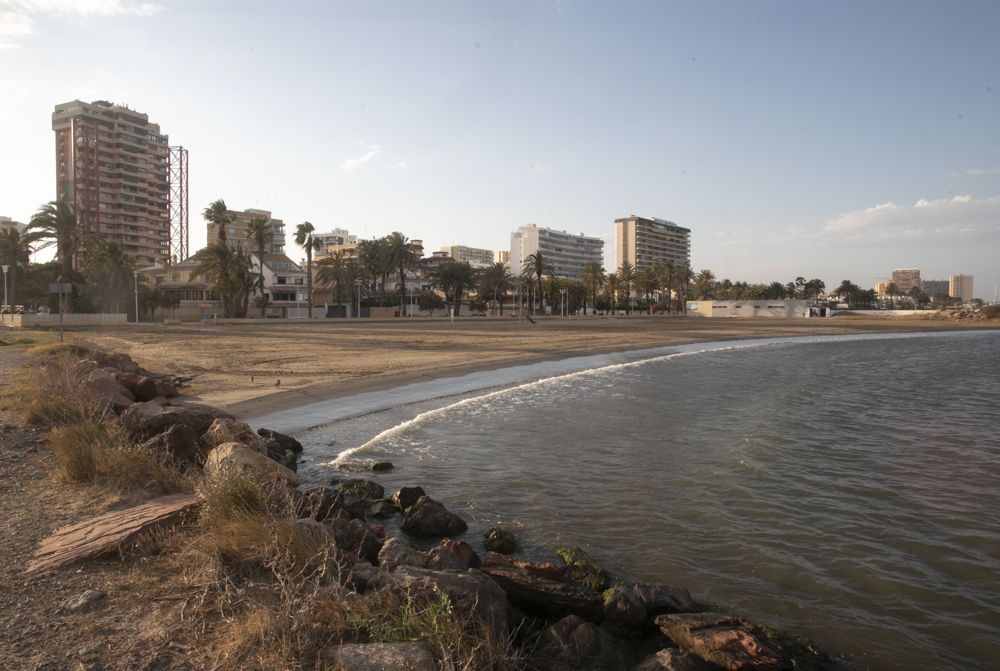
(179, 242)
(86, 178)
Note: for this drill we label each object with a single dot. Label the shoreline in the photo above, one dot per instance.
(296, 398)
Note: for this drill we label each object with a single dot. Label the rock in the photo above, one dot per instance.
(361, 575)
(543, 589)
(322, 503)
(427, 517)
(180, 442)
(572, 644)
(500, 540)
(406, 497)
(229, 456)
(106, 389)
(224, 430)
(363, 489)
(145, 420)
(473, 595)
(581, 568)
(466, 556)
(384, 509)
(354, 538)
(662, 599)
(279, 442)
(382, 466)
(378, 657)
(725, 640)
(674, 660)
(397, 552)
(119, 361)
(144, 387)
(623, 608)
(83, 601)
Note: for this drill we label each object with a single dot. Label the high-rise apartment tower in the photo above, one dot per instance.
(644, 242)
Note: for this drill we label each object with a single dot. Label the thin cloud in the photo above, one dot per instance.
(975, 172)
(940, 219)
(352, 164)
(402, 165)
(17, 17)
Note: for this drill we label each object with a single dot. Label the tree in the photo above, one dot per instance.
(612, 284)
(109, 273)
(647, 281)
(231, 270)
(15, 251)
(814, 288)
(667, 272)
(332, 272)
(403, 257)
(305, 239)
(495, 281)
(593, 277)
(537, 265)
(626, 276)
(430, 301)
(376, 262)
(453, 278)
(217, 213)
(704, 285)
(58, 223)
(259, 232)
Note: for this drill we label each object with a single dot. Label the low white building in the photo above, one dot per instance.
(565, 253)
(748, 309)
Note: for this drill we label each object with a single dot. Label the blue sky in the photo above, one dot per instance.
(827, 139)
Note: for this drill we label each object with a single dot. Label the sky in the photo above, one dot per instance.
(830, 139)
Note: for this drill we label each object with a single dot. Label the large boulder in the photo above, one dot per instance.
(224, 430)
(406, 497)
(663, 599)
(674, 660)
(500, 540)
(378, 657)
(623, 608)
(573, 644)
(427, 518)
(145, 420)
(397, 552)
(324, 503)
(234, 456)
(118, 361)
(144, 387)
(366, 490)
(107, 390)
(581, 568)
(473, 595)
(355, 538)
(463, 553)
(279, 442)
(180, 442)
(727, 641)
(543, 590)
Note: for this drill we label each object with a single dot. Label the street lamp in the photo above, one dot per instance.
(135, 275)
(5, 301)
(564, 306)
(358, 284)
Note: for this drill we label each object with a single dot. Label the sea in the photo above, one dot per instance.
(846, 489)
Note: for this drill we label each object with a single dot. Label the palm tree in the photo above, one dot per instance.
(626, 276)
(305, 239)
(259, 232)
(612, 284)
(593, 277)
(231, 270)
(648, 280)
(332, 271)
(403, 257)
(109, 272)
(58, 223)
(453, 278)
(15, 251)
(704, 284)
(667, 274)
(217, 213)
(536, 264)
(496, 280)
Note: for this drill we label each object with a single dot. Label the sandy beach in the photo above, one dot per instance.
(238, 366)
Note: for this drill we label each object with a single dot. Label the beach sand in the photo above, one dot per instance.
(325, 359)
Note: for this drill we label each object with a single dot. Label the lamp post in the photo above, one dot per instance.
(358, 284)
(5, 301)
(135, 275)
(564, 305)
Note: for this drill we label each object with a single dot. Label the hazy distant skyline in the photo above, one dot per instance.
(832, 140)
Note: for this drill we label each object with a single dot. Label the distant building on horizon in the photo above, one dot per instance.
(906, 279)
(935, 288)
(7, 222)
(477, 258)
(502, 256)
(644, 241)
(960, 286)
(236, 231)
(128, 185)
(336, 237)
(565, 253)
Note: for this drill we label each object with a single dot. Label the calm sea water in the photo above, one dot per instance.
(848, 491)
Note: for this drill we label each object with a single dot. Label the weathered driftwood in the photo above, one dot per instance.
(108, 532)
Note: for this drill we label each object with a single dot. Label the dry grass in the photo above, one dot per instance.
(92, 452)
(50, 390)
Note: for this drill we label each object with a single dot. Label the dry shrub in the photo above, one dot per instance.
(96, 453)
(50, 390)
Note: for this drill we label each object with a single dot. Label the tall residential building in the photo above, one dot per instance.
(502, 256)
(7, 222)
(336, 237)
(643, 242)
(117, 167)
(905, 279)
(960, 286)
(477, 258)
(565, 253)
(236, 231)
(934, 288)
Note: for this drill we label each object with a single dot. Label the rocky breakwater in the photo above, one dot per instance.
(569, 614)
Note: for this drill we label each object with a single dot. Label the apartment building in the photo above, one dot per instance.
(236, 232)
(112, 163)
(905, 279)
(644, 241)
(477, 258)
(935, 288)
(565, 253)
(960, 286)
(7, 222)
(502, 256)
(336, 238)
